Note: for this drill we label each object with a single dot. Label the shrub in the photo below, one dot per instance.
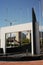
(25, 41)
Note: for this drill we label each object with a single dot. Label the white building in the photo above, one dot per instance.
(20, 28)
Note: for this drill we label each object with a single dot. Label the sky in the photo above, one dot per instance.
(18, 11)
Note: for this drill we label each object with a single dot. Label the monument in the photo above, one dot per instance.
(36, 43)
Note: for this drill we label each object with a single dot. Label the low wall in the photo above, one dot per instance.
(20, 49)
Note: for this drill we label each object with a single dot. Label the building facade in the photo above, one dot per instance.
(20, 28)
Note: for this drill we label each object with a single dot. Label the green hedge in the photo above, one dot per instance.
(25, 41)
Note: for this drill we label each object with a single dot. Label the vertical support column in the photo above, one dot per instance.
(20, 38)
(3, 41)
(37, 39)
(35, 44)
(32, 46)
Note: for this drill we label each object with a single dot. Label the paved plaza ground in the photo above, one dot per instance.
(40, 62)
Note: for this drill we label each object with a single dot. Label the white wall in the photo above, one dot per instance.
(40, 28)
(16, 28)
